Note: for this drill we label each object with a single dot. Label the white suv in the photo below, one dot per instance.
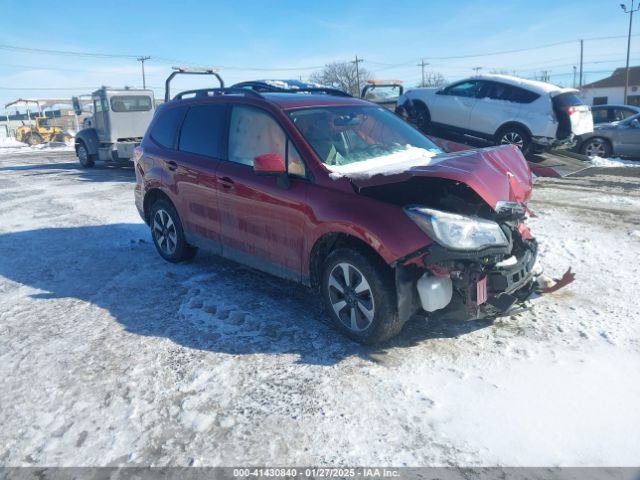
(502, 109)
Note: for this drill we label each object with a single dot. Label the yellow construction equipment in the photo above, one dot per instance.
(41, 132)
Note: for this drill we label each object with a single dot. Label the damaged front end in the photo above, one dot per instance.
(487, 278)
(488, 264)
(471, 207)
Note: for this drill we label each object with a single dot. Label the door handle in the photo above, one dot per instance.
(226, 182)
(171, 165)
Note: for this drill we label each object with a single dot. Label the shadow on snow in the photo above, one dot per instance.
(210, 304)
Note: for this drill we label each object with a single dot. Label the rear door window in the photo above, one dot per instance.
(500, 91)
(165, 129)
(202, 130)
(601, 115)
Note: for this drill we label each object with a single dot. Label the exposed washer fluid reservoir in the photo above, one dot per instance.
(435, 292)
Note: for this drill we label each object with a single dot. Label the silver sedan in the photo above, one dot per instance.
(616, 138)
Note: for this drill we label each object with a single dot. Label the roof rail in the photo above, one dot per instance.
(270, 86)
(189, 71)
(212, 92)
(325, 90)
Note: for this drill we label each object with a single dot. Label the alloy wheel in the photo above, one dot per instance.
(164, 232)
(351, 297)
(595, 149)
(512, 138)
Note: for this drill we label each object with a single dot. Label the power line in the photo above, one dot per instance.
(273, 69)
(45, 51)
(518, 50)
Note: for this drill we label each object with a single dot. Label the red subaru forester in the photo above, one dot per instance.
(342, 195)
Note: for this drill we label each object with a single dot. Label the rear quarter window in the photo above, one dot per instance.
(567, 100)
(522, 95)
(202, 130)
(165, 129)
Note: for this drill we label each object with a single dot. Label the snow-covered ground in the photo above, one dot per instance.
(10, 146)
(111, 356)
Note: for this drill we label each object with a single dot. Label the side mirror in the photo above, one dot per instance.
(635, 123)
(77, 108)
(440, 92)
(269, 164)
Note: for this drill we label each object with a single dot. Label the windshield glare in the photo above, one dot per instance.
(349, 134)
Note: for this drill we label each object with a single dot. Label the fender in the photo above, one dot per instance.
(382, 226)
(89, 136)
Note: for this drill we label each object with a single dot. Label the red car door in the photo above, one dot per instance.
(262, 223)
(194, 173)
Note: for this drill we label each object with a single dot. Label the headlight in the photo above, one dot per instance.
(458, 232)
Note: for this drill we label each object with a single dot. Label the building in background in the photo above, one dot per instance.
(610, 90)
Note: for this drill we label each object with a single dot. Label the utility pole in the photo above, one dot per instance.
(477, 69)
(630, 12)
(357, 61)
(574, 76)
(144, 80)
(581, 57)
(422, 64)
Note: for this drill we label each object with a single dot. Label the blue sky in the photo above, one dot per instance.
(253, 39)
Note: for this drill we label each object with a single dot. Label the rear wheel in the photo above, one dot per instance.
(596, 147)
(359, 295)
(167, 233)
(86, 159)
(514, 135)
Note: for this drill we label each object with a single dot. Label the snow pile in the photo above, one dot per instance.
(613, 162)
(396, 162)
(10, 146)
(11, 143)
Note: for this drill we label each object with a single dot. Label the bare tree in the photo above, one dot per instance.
(342, 76)
(433, 79)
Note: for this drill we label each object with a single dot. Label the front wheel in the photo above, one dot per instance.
(33, 139)
(596, 147)
(86, 159)
(167, 233)
(514, 136)
(359, 295)
(421, 117)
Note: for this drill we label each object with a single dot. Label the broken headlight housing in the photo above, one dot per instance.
(457, 232)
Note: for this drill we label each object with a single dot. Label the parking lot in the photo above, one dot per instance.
(111, 356)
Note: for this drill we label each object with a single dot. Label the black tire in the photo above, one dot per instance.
(378, 297)
(33, 139)
(515, 135)
(167, 233)
(420, 116)
(596, 146)
(87, 160)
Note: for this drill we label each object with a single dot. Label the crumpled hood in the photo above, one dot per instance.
(495, 173)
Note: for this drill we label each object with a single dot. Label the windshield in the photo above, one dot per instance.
(355, 133)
